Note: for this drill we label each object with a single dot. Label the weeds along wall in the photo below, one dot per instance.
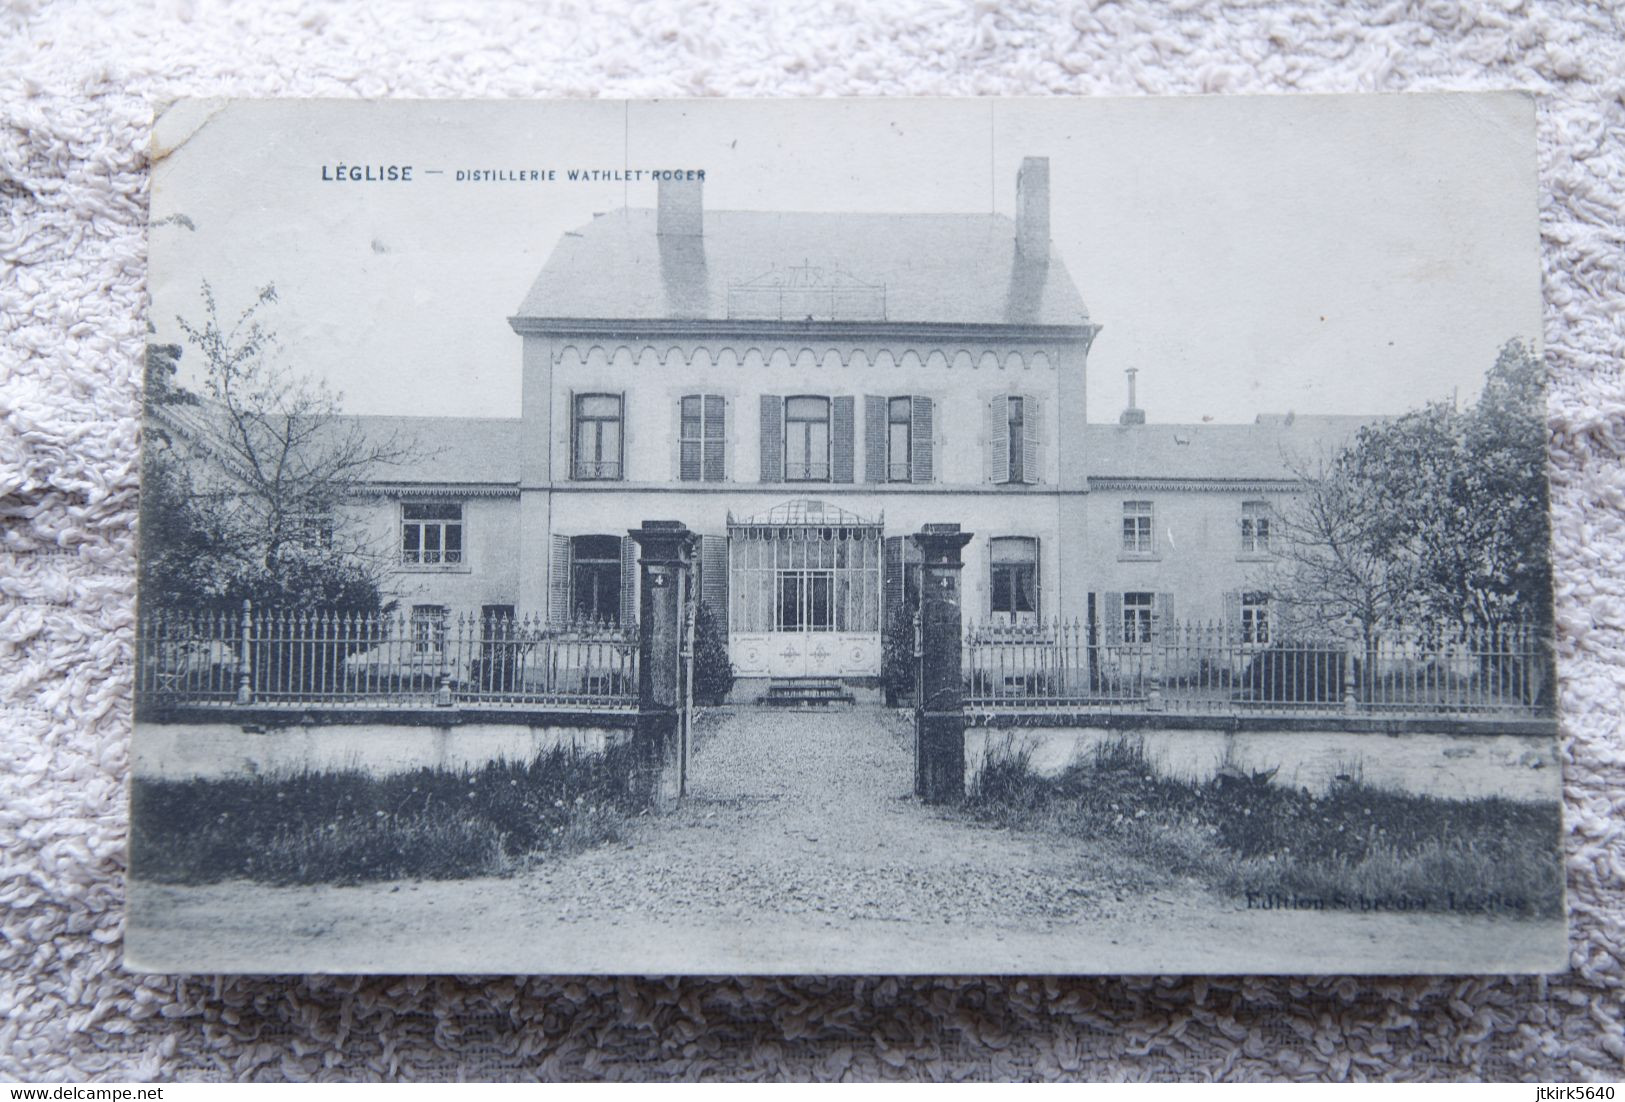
(220, 749)
(1452, 766)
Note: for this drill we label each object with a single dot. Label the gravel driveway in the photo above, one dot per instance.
(800, 849)
(810, 813)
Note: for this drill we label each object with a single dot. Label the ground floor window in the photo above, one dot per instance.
(1255, 617)
(595, 579)
(1013, 583)
(1137, 617)
(428, 628)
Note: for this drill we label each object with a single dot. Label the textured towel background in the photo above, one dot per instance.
(76, 84)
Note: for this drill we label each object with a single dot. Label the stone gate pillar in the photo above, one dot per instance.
(939, 737)
(667, 548)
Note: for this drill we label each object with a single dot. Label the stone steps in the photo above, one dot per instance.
(806, 692)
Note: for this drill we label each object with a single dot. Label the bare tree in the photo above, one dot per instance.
(266, 520)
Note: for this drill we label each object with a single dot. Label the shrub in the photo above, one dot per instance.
(897, 661)
(346, 827)
(1241, 833)
(1296, 674)
(713, 671)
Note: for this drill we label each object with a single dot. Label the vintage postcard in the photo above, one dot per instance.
(914, 536)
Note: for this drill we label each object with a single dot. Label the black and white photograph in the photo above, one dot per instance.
(901, 536)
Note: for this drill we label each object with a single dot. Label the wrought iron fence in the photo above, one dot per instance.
(303, 657)
(1215, 668)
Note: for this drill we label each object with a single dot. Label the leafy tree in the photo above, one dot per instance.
(243, 490)
(1438, 515)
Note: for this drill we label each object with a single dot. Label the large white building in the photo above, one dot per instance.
(804, 391)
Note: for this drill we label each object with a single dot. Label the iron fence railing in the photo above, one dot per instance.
(1216, 668)
(306, 657)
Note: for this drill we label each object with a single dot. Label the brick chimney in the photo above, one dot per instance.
(1032, 209)
(682, 211)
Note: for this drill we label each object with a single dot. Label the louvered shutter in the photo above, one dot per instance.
(714, 578)
(998, 439)
(1164, 627)
(688, 452)
(558, 581)
(920, 441)
(570, 431)
(629, 581)
(620, 458)
(1232, 614)
(892, 582)
(1038, 580)
(874, 438)
(843, 445)
(715, 436)
(1032, 455)
(1112, 634)
(772, 438)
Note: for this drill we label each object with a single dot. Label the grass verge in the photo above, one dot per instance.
(1355, 847)
(348, 827)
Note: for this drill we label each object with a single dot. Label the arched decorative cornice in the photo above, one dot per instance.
(750, 355)
(1103, 483)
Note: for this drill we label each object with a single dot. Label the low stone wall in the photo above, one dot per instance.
(211, 748)
(1455, 766)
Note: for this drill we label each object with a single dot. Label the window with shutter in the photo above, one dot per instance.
(702, 436)
(1255, 617)
(874, 438)
(772, 438)
(596, 579)
(597, 436)
(1016, 438)
(806, 439)
(899, 429)
(1013, 579)
(1139, 612)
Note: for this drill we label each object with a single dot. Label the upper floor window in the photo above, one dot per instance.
(1255, 528)
(1013, 583)
(1255, 617)
(900, 440)
(1014, 432)
(428, 629)
(1137, 529)
(597, 430)
(806, 439)
(431, 533)
(701, 441)
(1016, 427)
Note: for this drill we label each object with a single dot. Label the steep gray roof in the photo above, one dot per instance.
(447, 449)
(460, 450)
(1265, 449)
(926, 268)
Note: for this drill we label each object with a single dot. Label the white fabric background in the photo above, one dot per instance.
(77, 81)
